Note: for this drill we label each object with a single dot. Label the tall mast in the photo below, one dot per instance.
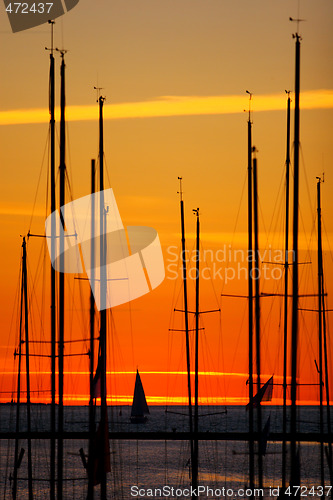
(257, 310)
(187, 340)
(285, 326)
(18, 392)
(320, 333)
(92, 343)
(323, 339)
(62, 169)
(25, 312)
(196, 376)
(250, 295)
(103, 292)
(294, 459)
(27, 364)
(53, 272)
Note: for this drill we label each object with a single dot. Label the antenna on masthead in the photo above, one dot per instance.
(98, 93)
(62, 52)
(52, 26)
(298, 20)
(250, 99)
(296, 35)
(180, 188)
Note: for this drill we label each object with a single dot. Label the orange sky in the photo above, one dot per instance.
(174, 77)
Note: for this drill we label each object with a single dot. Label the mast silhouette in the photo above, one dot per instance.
(195, 463)
(294, 457)
(91, 461)
(187, 340)
(103, 292)
(257, 311)
(285, 319)
(323, 343)
(62, 172)
(17, 459)
(53, 272)
(24, 312)
(27, 363)
(320, 334)
(250, 294)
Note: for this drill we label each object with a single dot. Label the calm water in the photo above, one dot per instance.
(154, 464)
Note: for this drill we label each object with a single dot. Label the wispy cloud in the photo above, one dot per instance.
(171, 106)
(22, 210)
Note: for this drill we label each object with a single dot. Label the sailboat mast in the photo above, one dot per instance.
(187, 340)
(92, 343)
(320, 333)
(62, 169)
(53, 272)
(250, 297)
(285, 326)
(257, 310)
(103, 292)
(323, 340)
(27, 364)
(294, 459)
(18, 400)
(195, 463)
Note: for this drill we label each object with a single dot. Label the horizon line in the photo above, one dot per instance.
(127, 400)
(145, 372)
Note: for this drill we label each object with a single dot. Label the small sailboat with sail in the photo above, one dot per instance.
(140, 408)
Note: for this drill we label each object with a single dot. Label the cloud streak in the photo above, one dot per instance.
(171, 106)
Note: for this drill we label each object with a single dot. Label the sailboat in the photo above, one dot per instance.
(140, 408)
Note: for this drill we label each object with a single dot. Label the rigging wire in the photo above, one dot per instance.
(38, 181)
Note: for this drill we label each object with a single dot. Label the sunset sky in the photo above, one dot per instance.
(175, 75)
